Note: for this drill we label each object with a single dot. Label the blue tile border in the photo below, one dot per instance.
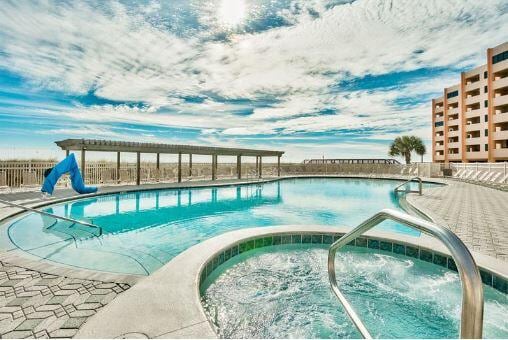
(424, 254)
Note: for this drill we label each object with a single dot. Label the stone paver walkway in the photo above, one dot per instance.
(477, 214)
(35, 304)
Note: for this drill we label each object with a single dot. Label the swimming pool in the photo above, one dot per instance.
(144, 230)
(283, 292)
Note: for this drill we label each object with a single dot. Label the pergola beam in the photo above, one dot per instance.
(117, 146)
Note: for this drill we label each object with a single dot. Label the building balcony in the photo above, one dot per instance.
(454, 156)
(477, 140)
(501, 100)
(454, 111)
(454, 145)
(439, 119)
(453, 122)
(503, 65)
(501, 118)
(500, 153)
(439, 128)
(475, 127)
(453, 133)
(500, 135)
(477, 155)
(472, 86)
(500, 83)
(453, 100)
(439, 147)
(475, 113)
(438, 138)
(439, 157)
(438, 109)
(473, 99)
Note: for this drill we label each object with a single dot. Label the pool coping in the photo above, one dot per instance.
(168, 305)
(13, 255)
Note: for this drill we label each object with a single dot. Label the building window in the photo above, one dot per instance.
(452, 94)
(485, 75)
(486, 103)
(485, 89)
(486, 118)
(500, 57)
(437, 124)
(486, 147)
(486, 132)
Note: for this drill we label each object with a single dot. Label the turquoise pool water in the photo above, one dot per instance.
(144, 230)
(283, 292)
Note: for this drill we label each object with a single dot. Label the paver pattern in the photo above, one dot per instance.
(39, 305)
(477, 214)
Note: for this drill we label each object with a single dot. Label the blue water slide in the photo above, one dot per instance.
(68, 165)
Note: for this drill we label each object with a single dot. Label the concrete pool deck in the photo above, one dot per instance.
(27, 285)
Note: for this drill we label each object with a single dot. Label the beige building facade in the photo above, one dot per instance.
(470, 120)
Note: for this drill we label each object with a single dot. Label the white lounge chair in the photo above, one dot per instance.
(483, 176)
(466, 174)
(503, 179)
(459, 173)
(494, 178)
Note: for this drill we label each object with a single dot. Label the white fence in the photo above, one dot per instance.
(30, 174)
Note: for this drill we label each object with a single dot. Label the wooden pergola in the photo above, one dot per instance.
(84, 145)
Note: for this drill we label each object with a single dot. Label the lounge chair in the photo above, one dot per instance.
(467, 174)
(459, 173)
(503, 179)
(494, 177)
(483, 176)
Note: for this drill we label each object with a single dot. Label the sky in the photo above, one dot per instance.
(314, 78)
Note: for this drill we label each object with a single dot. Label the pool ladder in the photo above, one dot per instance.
(420, 185)
(471, 321)
(41, 212)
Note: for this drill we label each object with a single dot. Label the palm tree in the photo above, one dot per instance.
(404, 145)
(420, 148)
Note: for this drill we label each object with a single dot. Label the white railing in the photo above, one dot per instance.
(30, 174)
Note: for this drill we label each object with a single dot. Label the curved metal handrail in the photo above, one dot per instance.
(420, 185)
(52, 215)
(471, 321)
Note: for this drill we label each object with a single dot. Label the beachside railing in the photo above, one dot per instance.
(30, 174)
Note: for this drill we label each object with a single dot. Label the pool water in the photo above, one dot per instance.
(283, 292)
(142, 231)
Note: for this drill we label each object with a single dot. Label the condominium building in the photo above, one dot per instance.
(470, 120)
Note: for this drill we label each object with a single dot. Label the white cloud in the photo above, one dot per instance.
(120, 55)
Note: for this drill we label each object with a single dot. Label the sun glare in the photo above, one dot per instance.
(231, 13)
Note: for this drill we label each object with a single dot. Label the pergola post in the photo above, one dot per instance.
(67, 153)
(190, 165)
(179, 167)
(118, 167)
(214, 168)
(138, 168)
(260, 167)
(278, 166)
(257, 166)
(83, 174)
(239, 166)
(158, 166)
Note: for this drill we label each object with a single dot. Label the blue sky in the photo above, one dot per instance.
(333, 78)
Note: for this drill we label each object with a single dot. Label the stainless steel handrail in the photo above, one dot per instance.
(471, 321)
(52, 215)
(420, 185)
